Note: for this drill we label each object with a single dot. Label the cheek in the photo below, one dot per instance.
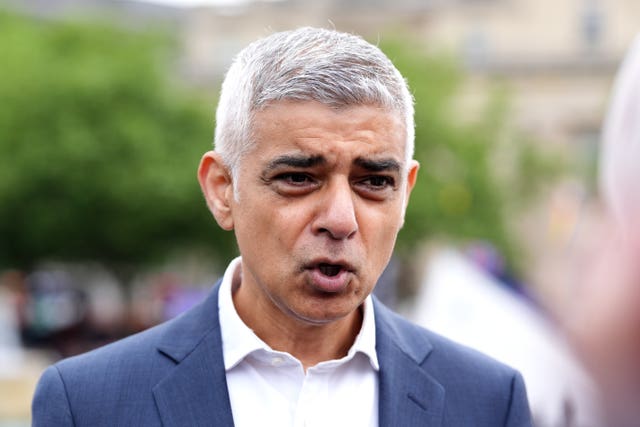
(252, 231)
(382, 225)
(272, 226)
(291, 220)
(379, 235)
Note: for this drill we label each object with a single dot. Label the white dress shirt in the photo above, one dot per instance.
(270, 388)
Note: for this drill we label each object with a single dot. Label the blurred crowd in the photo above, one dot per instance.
(69, 311)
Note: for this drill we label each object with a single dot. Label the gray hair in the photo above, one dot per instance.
(307, 64)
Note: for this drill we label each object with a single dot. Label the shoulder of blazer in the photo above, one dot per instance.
(421, 344)
(394, 330)
(127, 380)
(175, 338)
(429, 380)
(145, 356)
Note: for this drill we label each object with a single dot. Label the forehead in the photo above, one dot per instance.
(312, 127)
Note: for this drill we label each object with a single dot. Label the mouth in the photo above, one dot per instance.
(330, 270)
(330, 267)
(330, 276)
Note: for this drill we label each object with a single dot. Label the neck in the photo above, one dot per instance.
(310, 343)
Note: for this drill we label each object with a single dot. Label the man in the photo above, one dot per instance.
(312, 170)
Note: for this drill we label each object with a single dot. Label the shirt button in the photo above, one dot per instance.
(277, 361)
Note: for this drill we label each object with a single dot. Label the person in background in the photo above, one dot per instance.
(605, 321)
(312, 170)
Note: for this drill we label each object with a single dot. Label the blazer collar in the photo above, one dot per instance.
(409, 396)
(194, 344)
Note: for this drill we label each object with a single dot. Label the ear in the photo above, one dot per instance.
(412, 177)
(217, 186)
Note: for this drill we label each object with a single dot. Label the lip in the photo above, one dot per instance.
(326, 283)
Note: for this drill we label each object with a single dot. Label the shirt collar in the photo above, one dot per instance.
(238, 340)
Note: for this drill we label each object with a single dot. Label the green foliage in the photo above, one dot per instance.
(461, 194)
(98, 149)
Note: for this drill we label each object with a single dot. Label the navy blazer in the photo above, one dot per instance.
(173, 375)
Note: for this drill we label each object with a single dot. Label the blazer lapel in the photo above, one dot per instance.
(194, 393)
(409, 396)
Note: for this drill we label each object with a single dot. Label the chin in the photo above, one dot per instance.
(325, 315)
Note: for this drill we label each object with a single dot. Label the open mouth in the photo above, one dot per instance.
(331, 276)
(330, 270)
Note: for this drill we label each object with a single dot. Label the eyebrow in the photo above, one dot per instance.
(302, 161)
(296, 161)
(379, 165)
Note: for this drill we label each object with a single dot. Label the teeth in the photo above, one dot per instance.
(330, 270)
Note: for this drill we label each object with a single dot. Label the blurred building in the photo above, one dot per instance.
(555, 60)
(560, 54)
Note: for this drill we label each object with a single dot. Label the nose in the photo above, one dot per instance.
(336, 216)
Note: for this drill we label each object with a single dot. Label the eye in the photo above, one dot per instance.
(379, 181)
(293, 183)
(377, 187)
(294, 178)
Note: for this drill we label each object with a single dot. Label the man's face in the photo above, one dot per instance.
(321, 198)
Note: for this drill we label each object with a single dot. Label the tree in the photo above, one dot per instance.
(462, 194)
(98, 148)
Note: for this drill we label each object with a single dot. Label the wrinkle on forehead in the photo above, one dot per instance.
(338, 135)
